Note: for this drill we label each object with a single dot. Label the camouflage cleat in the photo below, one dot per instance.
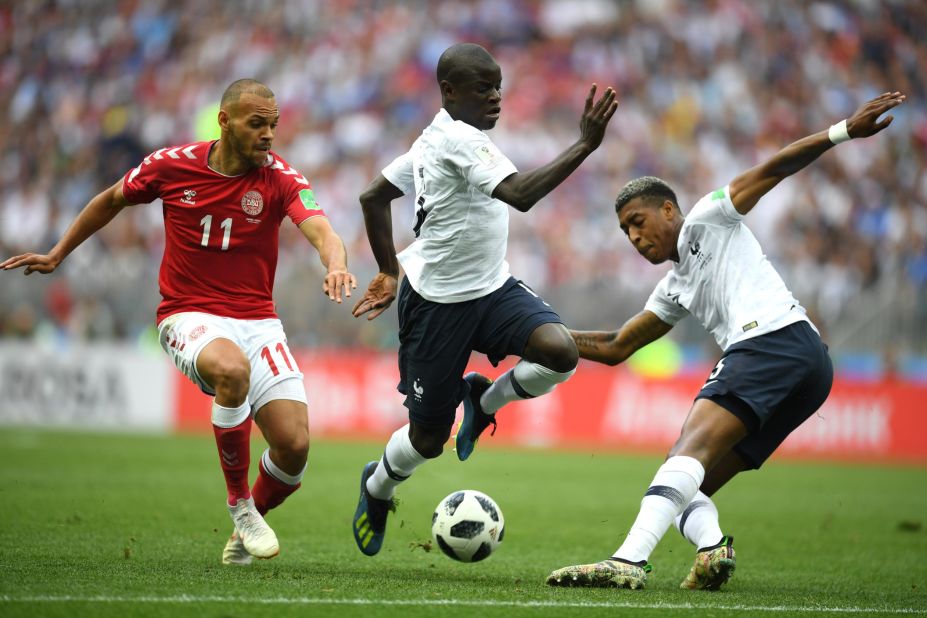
(474, 419)
(713, 566)
(370, 516)
(610, 573)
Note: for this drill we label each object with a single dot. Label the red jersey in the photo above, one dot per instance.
(221, 232)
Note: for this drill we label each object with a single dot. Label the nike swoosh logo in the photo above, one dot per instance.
(709, 382)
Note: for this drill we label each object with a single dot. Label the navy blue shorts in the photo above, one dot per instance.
(435, 341)
(773, 383)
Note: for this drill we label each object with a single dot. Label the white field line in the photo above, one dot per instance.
(195, 599)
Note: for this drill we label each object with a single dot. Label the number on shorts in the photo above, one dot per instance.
(716, 370)
(286, 358)
(532, 292)
(267, 355)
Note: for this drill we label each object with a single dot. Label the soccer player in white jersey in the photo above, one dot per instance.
(223, 204)
(457, 295)
(774, 372)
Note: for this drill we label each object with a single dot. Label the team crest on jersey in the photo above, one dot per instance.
(702, 258)
(252, 203)
(486, 154)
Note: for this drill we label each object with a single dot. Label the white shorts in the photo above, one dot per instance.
(274, 372)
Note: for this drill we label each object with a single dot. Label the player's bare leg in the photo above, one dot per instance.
(285, 426)
(224, 367)
(709, 435)
(730, 465)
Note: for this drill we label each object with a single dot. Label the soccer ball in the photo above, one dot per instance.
(468, 525)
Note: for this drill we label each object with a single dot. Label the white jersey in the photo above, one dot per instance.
(723, 278)
(461, 230)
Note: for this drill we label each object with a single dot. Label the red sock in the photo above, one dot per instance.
(235, 458)
(269, 491)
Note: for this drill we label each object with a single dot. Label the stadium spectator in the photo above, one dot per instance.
(704, 86)
(458, 294)
(740, 416)
(223, 204)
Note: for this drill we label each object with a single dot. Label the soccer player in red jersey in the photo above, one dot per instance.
(223, 203)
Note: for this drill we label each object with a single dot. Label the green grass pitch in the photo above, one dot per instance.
(111, 525)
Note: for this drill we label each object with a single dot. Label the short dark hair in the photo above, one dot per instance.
(647, 187)
(458, 60)
(241, 86)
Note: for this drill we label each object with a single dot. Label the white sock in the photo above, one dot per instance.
(275, 471)
(699, 522)
(230, 417)
(399, 461)
(523, 381)
(673, 487)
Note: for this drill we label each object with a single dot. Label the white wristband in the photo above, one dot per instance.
(838, 132)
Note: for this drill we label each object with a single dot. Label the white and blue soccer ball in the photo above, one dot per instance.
(468, 525)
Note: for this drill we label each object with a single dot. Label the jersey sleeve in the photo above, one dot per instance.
(303, 206)
(481, 162)
(399, 173)
(662, 304)
(716, 208)
(143, 184)
(298, 196)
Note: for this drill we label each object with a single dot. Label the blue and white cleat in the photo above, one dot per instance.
(370, 516)
(474, 419)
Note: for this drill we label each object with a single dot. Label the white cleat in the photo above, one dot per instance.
(256, 536)
(235, 552)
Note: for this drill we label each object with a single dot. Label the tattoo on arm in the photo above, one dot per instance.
(589, 340)
(613, 347)
(594, 345)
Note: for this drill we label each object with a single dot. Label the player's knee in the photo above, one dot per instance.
(551, 346)
(300, 446)
(232, 378)
(698, 446)
(709, 433)
(429, 441)
(566, 357)
(288, 438)
(296, 446)
(429, 447)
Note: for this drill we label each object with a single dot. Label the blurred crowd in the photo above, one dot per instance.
(706, 89)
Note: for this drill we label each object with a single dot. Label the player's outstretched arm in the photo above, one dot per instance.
(614, 347)
(378, 219)
(98, 212)
(338, 281)
(747, 189)
(522, 191)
